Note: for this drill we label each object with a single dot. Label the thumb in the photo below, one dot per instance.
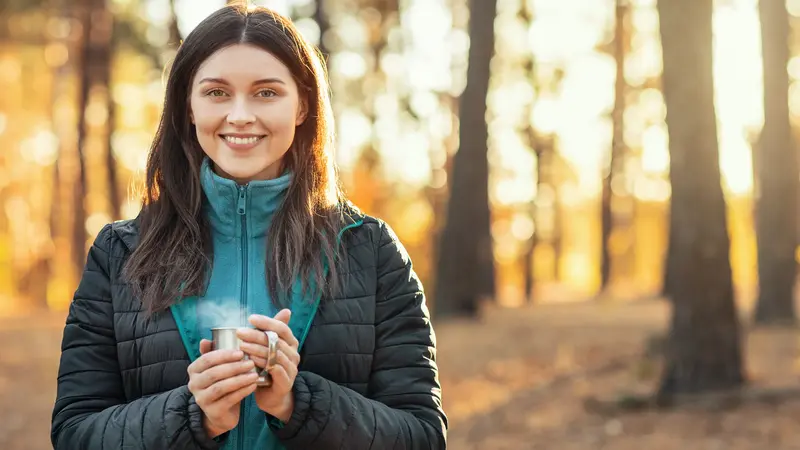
(284, 315)
(205, 346)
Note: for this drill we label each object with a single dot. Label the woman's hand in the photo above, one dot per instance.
(276, 400)
(219, 380)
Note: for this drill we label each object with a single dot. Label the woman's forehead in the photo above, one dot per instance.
(243, 63)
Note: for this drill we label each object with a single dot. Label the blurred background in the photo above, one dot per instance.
(590, 192)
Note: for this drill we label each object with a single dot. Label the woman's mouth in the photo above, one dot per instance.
(242, 142)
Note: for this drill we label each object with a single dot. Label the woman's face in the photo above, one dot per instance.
(245, 106)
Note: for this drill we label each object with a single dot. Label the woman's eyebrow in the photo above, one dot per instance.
(223, 81)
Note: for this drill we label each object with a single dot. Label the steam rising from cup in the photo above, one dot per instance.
(218, 313)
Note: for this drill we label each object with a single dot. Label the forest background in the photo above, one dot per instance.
(601, 198)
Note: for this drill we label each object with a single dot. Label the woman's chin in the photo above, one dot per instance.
(242, 172)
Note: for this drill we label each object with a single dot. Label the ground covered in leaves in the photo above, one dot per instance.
(515, 379)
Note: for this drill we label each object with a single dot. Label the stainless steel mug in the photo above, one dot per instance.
(225, 338)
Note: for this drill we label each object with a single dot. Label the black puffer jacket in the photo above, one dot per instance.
(368, 375)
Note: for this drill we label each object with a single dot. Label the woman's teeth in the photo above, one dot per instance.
(242, 141)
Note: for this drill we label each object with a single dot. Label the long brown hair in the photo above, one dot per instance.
(173, 257)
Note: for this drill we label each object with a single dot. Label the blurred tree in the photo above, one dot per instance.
(129, 32)
(30, 265)
(541, 147)
(528, 255)
(114, 197)
(58, 273)
(369, 187)
(557, 173)
(668, 283)
(174, 32)
(776, 170)
(465, 272)
(380, 17)
(95, 74)
(616, 162)
(321, 18)
(436, 193)
(704, 352)
(79, 187)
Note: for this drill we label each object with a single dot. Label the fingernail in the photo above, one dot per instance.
(248, 363)
(238, 354)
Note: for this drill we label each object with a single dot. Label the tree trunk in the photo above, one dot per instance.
(555, 163)
(466, 263)
(529, 264)
(115, 200)
(535, 143)
(95, 56)
(79, 186)
(321, 17)
(667, 286)
(776, 175)
(617, 144)
(704, 351)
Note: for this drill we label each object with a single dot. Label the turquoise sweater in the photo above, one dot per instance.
(240, 217)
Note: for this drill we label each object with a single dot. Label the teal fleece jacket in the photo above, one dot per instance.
(240, 216)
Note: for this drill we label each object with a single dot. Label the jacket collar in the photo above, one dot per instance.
(230, 206)
(128, 230)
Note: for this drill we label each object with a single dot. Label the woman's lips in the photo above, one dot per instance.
(242, 142)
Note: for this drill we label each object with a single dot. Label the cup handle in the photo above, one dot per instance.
(264, 377)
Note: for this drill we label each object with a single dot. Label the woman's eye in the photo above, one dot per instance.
(267, 93)
(215, 93)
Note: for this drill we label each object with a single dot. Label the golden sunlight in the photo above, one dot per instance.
(578, 115)
(738, 89)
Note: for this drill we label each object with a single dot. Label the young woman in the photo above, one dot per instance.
(243, 224)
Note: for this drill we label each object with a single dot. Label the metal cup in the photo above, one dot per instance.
(225, 338)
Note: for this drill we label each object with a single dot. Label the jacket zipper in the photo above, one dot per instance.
(242, 210)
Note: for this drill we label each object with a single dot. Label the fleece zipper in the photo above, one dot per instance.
(242, 210)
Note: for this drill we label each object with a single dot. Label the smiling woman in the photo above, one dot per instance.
(243, 225)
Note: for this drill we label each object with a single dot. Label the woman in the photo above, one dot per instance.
(242, 219)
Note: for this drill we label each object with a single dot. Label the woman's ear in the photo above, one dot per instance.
(302, 111)
(191, 116)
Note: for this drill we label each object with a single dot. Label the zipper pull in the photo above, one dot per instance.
(241, 204)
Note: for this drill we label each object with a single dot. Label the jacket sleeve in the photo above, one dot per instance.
(90, 411)
(404, 408)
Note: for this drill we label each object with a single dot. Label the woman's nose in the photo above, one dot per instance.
(240, 113)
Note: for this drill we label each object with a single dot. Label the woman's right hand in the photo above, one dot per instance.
(219, 380)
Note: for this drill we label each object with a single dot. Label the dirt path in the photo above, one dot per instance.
(514, 380)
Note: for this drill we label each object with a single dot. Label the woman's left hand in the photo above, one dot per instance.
(276, 400)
